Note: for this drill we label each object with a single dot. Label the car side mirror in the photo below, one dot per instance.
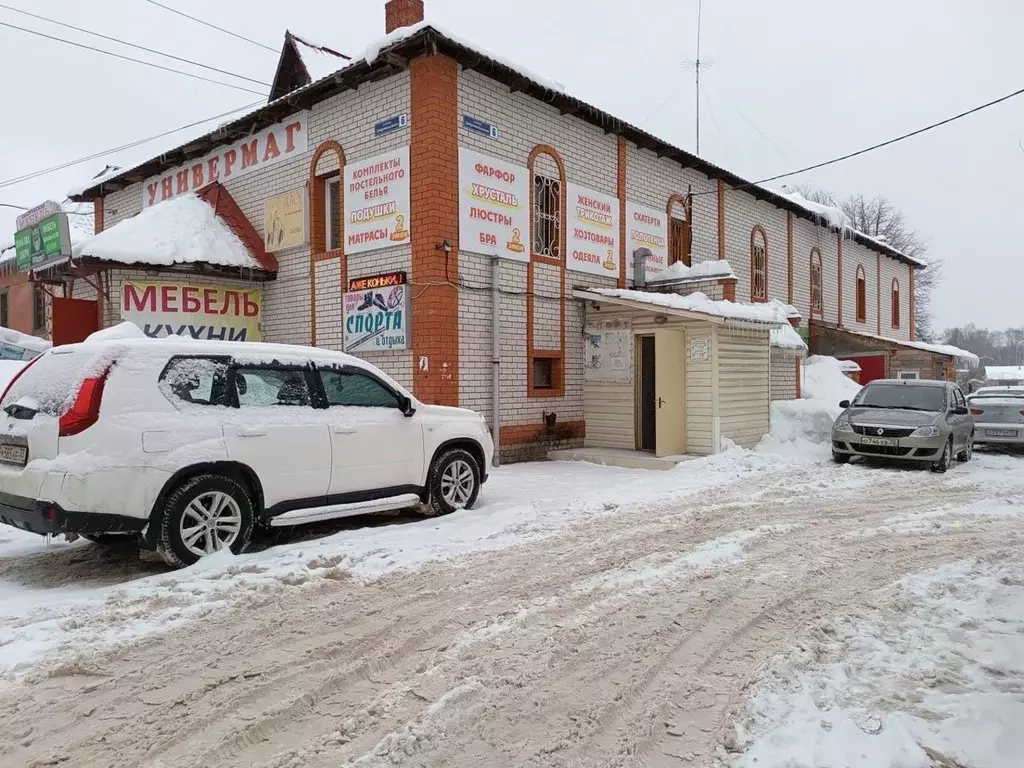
(961, 411)
(844, 404)
(407, 407)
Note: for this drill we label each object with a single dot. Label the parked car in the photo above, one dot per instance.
(998, 416)
(905, 419)
(190, 445)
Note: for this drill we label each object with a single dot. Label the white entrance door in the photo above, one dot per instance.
(375, 446)
(670, 392)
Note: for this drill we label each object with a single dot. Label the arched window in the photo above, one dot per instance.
(325, 198)
(817, 294)
(862, 295)
(895, 303)
(680, 233)
(758, 264)
(548, 176)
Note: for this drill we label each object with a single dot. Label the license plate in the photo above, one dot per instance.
(1000, 433)
(887, 441)
(14, 454)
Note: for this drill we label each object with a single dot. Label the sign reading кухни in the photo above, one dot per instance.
(198, 311)
(376, 313)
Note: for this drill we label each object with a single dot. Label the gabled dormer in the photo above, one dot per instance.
(303, 62)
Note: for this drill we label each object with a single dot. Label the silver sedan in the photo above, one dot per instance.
(998, 416)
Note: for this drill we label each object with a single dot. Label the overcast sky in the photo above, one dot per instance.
(792, 82)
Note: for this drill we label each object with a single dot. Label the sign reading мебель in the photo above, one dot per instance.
(43, 237)
(377, 202)
(284, 220)
(494, 200)
(198, 311)
(647, 228)
(376, 313)
(272, 145)
(592, 241)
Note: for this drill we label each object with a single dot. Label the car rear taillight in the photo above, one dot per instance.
(978, 411)
(18, 375)
(86, 409)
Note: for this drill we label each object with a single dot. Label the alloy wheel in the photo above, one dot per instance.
(457, 483)
(211, 522)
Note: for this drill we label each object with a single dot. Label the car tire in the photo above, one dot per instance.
(840, 458)
(945, 460)
(967, 453)
(203, 515)
(454, 482)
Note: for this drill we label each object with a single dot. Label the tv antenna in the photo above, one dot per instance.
(695, 65)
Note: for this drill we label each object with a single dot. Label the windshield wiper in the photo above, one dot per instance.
(910, 408)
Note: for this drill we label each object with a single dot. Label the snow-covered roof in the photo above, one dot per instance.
(770, 313)
(836, 219)
(715, 269)
(1004, 372)
(786, 337)
(849, 366)
(182, 230)
(937, 349)
(320, 61)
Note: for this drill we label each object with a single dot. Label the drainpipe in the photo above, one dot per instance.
(496, 357)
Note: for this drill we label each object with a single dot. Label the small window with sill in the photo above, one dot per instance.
(543, 373)
(547, 216)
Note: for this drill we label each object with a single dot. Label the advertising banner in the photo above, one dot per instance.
(200, 311)
(646, 228)
(284, 220)
(377, 202)
(43, 244)
(270, 146)
(494, 203)
(592, 241)
(376, 313)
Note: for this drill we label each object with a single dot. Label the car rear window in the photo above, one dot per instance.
(51, 382)
(905, 396)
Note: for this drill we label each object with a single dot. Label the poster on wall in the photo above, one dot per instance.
(377, 202)
(646, 228)
(608, 355)
(284, 220)
(494, 201)
(199, 311)
(592, 241)
(376, 313)
(270, 146)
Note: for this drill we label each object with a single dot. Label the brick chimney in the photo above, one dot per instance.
(402, 13)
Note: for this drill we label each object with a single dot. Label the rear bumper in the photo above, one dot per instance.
(981, 438)
(906, 448)
(44, 517)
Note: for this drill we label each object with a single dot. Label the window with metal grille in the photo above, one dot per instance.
(862, 295)
(547, 216)
(895, 303)
(817, 297)
(758, 265)
(678, 241)
(332, 212)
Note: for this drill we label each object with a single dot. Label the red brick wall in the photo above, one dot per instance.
(402, 13)
(434, 154)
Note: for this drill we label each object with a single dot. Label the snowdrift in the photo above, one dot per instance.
(810, 419)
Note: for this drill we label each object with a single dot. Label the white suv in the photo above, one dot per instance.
(192, 444)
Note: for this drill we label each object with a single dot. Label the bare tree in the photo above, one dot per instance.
(879, 218)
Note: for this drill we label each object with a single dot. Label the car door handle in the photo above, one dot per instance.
(341, 429)
(252, 433)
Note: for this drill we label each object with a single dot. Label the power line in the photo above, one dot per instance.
(873, 147)
(213, 26)
(129, 58)
(70, 163)
(133, 45)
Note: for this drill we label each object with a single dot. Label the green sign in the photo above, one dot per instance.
(43, 244)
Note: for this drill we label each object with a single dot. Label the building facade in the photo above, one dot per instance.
(494, 175)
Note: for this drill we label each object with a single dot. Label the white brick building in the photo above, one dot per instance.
(442, 98)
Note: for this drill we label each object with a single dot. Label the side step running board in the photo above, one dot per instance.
(316, 514)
